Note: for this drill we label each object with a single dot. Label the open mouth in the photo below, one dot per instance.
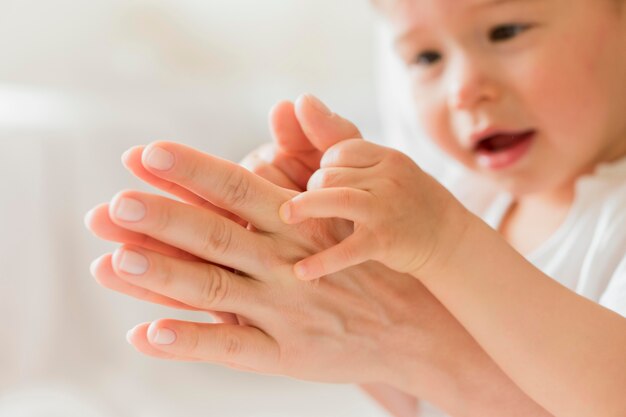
(503, 141)
(503, 150)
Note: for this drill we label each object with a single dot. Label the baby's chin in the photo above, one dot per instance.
(522, 186)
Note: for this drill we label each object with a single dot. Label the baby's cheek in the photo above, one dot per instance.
(438, 127)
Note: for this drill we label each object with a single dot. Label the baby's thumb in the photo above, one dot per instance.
(323, 127)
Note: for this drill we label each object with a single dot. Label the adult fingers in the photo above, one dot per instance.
(102, 270)
(297, 155)
(351, 251)
(322, 127)
(99, 222)
(355, 153)
(136, 337)
(132, 161)
(244, 346)
(261, 165)
(345, 203)
(201, 285)
(223, 183)
(199, 232)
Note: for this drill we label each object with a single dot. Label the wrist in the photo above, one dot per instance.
(456, 230)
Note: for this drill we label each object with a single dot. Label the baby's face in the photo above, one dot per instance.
(528, 92)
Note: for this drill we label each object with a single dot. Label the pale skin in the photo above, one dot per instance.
(472, 290)
(407, 340)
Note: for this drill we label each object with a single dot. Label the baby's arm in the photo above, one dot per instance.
(565, 351)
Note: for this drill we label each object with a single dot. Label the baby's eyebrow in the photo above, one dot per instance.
(479, 5)
(493, 3)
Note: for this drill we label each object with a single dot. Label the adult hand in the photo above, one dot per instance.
(288, 161)
(361, 325)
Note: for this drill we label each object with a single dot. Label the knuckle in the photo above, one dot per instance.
(346, 200)
(214, 289)
(231, 344)
(162, 219)
(397, 159)
(216, 239)
(236, 189)
(194, 343)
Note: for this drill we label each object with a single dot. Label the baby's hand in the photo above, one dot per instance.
(402, 217)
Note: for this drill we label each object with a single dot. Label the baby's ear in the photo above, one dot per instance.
(322, 127)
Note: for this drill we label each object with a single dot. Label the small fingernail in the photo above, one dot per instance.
(130, 210)
(285, 212)
(317, 103)
(133, 263)
(164, 336)
(301, 271)
(159, 159)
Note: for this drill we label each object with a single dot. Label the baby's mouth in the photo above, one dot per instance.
(499, 150)
(502, 142)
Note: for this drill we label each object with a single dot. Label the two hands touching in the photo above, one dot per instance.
(402, 217)
(225, 251)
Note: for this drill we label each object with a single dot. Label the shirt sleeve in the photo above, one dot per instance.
(614, 297)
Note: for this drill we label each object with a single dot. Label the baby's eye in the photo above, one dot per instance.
(503, 33)
(427, 58)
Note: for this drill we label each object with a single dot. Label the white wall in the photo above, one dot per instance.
(80, 81)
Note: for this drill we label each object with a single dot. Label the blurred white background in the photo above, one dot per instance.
(80, 82)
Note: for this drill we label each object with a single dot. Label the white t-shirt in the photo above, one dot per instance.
(587, 253)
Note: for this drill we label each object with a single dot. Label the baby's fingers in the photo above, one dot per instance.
(354, 250)
(342, 202)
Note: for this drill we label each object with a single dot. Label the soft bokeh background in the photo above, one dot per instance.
(80, 82)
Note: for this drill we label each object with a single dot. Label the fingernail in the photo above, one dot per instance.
(159, 158)
(133, 263)
(285, 212)
(317, 103)
(94, 266)
(267, 154)
(125, 156)
(164, 336)
(129, 335)
(300, 271)
(130, 210)
(87, 218)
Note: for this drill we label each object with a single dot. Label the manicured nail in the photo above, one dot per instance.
(129, 335)
(159, 158)
(164, 337)
(130, 210)
(125, 156)
(94, 266)
(267, 154)
(87, 218)
(133, 263)
(317, 103)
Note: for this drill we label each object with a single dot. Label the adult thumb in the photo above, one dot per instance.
(323, 127)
